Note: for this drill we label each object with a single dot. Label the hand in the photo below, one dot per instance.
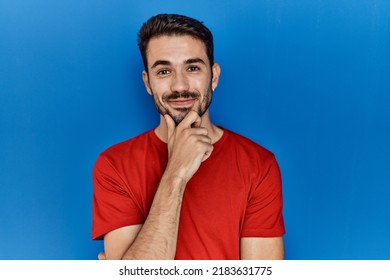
(188, 146)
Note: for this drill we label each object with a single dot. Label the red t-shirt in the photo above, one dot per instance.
(235, 193)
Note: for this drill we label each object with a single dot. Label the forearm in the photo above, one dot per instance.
(158, 236)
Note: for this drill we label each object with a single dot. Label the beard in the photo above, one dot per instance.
(178, 117)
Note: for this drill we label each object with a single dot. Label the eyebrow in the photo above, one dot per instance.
(160, 62)
(188, 61)
(194, 60)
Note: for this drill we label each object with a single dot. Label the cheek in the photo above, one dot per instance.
(199, 84)
(159, 88)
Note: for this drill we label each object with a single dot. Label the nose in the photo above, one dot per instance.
(179, 83)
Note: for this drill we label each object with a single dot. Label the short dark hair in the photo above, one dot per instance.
(173, 24)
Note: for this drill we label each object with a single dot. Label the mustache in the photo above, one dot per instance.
(184, 94)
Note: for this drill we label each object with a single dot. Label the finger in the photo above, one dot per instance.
(207, 154)
(197, 123)
(202, 136)
(199, 131)
(192, 119)
(170, 125)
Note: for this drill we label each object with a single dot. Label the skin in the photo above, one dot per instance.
(177, 65)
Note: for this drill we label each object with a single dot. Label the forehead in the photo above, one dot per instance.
(175, 49)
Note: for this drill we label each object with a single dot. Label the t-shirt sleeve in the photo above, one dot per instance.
(112, 206)
(263, 216)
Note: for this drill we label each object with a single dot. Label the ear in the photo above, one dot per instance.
(145, 78)
(216, 73)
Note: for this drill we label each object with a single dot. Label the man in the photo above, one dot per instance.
(187, 189)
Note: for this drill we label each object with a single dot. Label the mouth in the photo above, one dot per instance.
(182, 103)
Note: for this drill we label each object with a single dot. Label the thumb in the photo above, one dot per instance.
(170, 125)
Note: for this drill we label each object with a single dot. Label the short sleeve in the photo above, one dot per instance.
(112, 206)
(263, 216)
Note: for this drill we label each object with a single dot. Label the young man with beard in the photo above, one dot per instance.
(187, 189)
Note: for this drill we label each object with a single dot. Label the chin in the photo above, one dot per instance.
(178, 118)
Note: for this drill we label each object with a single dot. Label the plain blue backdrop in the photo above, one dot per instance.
(307, 79)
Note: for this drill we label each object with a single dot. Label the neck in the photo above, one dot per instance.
(215, 133)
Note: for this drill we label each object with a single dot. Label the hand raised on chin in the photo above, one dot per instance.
(188, 146)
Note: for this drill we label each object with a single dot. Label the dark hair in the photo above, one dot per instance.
(172, 24)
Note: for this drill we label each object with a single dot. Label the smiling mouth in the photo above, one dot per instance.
(182, 103)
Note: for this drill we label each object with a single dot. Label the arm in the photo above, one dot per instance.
(267, 248)
(156, 238)
(262, 238)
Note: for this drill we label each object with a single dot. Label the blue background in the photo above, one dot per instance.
(309, 80)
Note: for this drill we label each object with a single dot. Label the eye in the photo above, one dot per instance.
(193, 68)
(163, 72)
